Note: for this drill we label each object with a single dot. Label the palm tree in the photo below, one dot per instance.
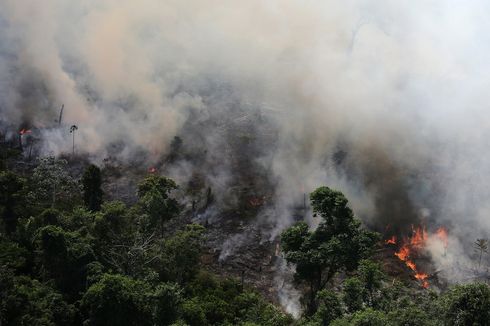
(72, 131)
(481, 247)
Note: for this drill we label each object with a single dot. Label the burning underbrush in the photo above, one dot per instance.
(414, 252)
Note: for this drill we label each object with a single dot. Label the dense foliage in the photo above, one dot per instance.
(69, 258)
(337, 244)
(363, 295)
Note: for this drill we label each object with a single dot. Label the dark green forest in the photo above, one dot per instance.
(70, 257)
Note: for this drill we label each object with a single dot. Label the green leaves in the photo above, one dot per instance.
(180, 254)
(12, 199)
(154, 198)
(117, 300)
(468, 305)
(92, 191)
(338, 243)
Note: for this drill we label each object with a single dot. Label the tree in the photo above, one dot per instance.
(368, 317)
(481, 247)
(168, 303)
(73, 128)
(338, 243)
(329, 307)
(24, 301)
(371, 275)
(410, 316)
(63, 256)
(11, 199)
(467, 305)
(92, 191)
(353, 294)
(154, 197)
(180, 254)
(117, 300)
(52, 186)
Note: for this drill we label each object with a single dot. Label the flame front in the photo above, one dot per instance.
(415, 242)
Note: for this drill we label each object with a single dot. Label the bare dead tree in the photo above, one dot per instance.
(481, 247)
(130, 258)
(61, 115)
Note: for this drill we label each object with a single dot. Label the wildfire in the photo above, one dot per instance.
(422, 277)
(441, 233)
(403, 253)
(22, 132)
(410, 246)
(391, 240)
(418, 238)
(152, 170)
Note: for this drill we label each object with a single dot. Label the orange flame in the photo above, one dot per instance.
(418, 238)
(415, 242)
(391, 240)
(411, 265)
(423, 278)
(441, 233)
(403, 253)
(24, 131)
(152, 170)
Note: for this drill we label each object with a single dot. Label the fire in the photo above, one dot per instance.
(411, 265)
(24, 131)
(441, 233)
(403, 253)
(409, 247)
(152, 170)
(418, 238)
(391, 240)
(412, 245)
(423, 278)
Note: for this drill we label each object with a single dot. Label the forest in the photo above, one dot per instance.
(276, 163)
(70, 257)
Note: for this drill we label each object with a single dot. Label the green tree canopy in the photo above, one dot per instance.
(338, 243)
(154, 197)
(117, 300)
(92, 191)
(468, 305)
(52, 185)
(181, 253)
(63, 257)
(12, 199)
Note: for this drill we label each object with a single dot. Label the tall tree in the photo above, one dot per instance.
(339, 243)
(52, 185)
(92, 191)
(11, 199)
(154, 197)
(481, 247)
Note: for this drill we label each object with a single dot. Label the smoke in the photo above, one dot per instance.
(386, 101)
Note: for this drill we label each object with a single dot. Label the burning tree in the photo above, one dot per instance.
(339, 243)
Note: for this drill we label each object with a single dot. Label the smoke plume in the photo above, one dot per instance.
(386, 101)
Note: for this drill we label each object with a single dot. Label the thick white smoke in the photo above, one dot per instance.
(399, 87)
